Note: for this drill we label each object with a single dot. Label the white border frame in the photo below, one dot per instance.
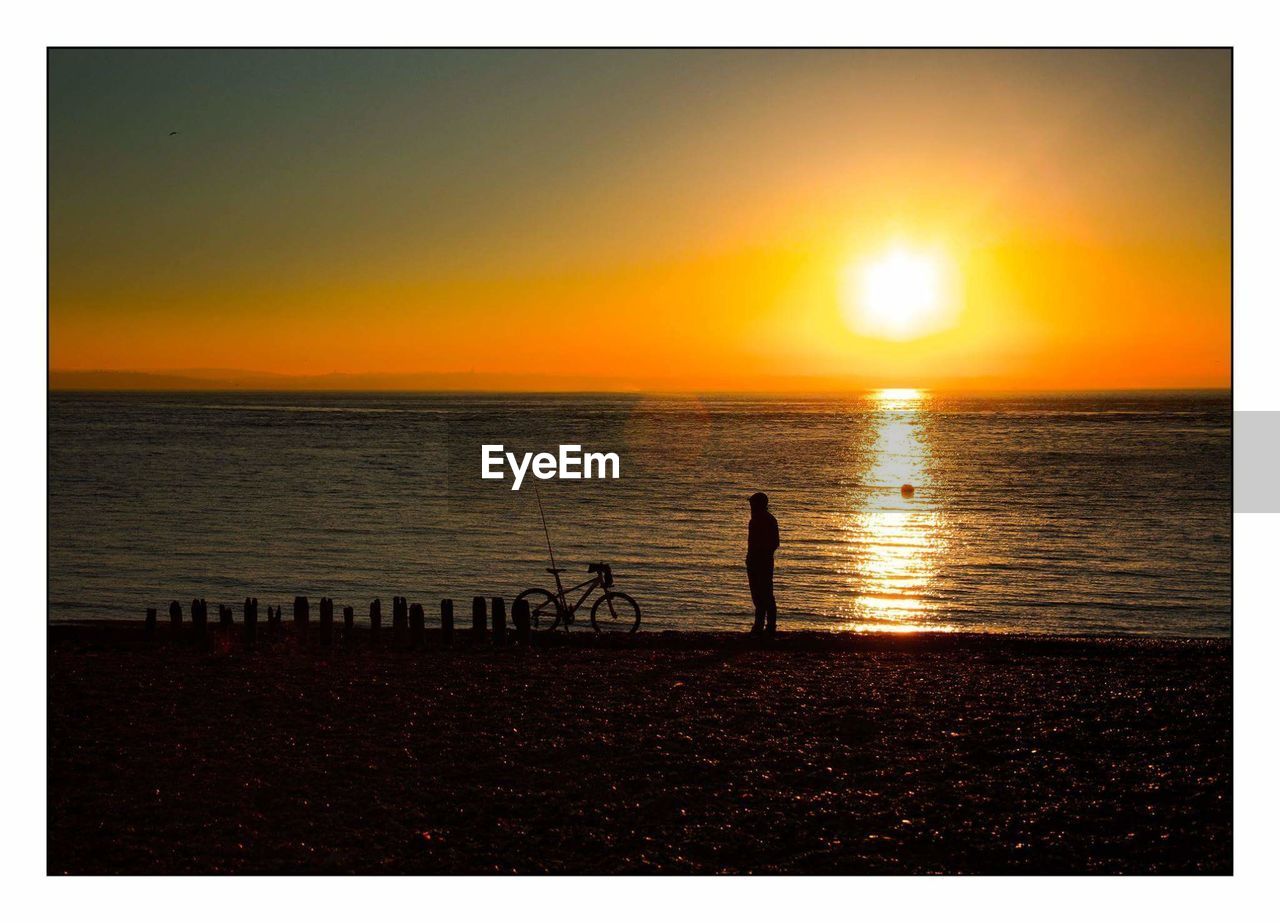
(928, 22)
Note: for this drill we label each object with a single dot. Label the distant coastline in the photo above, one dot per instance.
(499, 382)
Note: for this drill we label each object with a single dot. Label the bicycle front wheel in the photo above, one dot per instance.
(615, 613)
(544, 610)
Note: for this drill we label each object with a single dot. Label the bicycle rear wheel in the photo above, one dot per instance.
(615, 613)
(544, 610)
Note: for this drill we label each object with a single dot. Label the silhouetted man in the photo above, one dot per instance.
(762, 542)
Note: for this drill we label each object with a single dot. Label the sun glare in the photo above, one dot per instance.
(899, 294)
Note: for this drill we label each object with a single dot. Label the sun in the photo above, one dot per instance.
(899, 294)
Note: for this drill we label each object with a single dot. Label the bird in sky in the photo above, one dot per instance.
(172, 133)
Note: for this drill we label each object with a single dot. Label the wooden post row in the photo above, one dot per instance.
(409, 621)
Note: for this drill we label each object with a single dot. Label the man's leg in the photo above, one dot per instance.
(771, 603)
(758, 599)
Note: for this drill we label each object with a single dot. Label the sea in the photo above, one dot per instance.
(1105, 513)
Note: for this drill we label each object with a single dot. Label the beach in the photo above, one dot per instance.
(669, 752)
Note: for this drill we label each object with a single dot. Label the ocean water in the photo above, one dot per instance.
(1046, 513)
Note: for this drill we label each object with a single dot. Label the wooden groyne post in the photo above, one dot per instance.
(446, 621)
(224, 616)
(301, 615)
(520, 616)
(499, 622)
(199, 617)
(175, 615)
(151, 623)
(417, 625)
(326, 620)
(348, 623)
(477, 619)
(375, 619)
(400, 619)
(250, 621)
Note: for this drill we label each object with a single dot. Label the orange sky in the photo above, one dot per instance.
(672, 219)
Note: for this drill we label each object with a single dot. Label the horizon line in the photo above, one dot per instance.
(234, 380)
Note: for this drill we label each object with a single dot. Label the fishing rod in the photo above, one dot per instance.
(541, 513)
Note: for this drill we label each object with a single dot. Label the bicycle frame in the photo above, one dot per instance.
(588, 588)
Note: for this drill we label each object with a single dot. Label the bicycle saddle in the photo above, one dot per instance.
(555, 570)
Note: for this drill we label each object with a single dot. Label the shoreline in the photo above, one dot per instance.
(132, 631)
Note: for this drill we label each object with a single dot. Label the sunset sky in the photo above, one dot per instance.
(705, 220)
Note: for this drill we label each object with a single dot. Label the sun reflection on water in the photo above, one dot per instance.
(895, 536)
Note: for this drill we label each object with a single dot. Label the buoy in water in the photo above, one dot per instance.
(908, 491)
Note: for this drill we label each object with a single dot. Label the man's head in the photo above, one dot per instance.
(759, 502)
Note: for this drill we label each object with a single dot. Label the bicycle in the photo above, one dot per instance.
(549, 610)
(614, 611)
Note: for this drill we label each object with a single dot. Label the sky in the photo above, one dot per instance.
(638, 219)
